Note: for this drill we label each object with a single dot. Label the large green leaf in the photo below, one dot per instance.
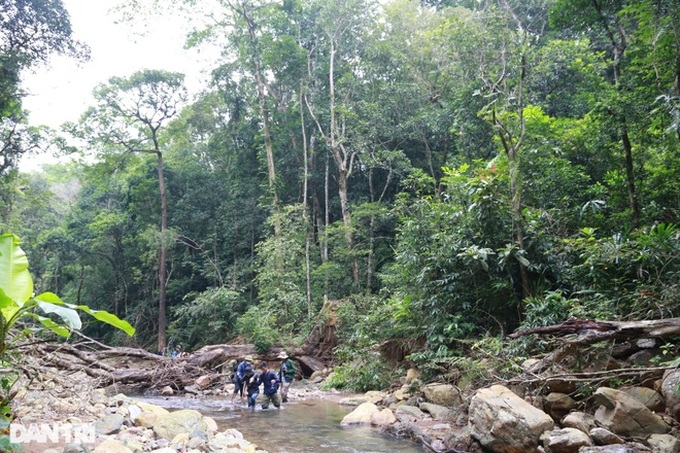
(15, 280)
(53, 326)
(51, 303)
(109, 318)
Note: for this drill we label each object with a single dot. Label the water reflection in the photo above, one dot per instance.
(300, 426)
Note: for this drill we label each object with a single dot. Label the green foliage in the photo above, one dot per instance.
(18, 303)
(257, 325)
(364, 373)
(207, 316)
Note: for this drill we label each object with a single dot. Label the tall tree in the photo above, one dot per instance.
(30, 32)
(343, 24)
(129, 117)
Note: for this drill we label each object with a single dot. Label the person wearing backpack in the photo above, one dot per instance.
(286, 374)
(244, 368)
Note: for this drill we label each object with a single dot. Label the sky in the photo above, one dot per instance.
(62, 91)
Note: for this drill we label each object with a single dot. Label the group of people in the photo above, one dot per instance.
(247, 380)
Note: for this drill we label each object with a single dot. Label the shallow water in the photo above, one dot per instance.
(311, 425)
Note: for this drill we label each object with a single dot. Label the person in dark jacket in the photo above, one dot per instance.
(252, 389)
(270, 385)
(243, 368)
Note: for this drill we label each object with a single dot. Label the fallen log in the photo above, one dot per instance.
(591, 331)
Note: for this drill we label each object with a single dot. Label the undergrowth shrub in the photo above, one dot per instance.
(368, 372)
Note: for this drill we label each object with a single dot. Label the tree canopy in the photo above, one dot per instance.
(435, 171)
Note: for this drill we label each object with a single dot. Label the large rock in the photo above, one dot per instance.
(182, 421)
(566, 440)
(361, 415)
(579, 420)
(649, 397)
(383, 418)
(614, 449)
(437, 412)
(442, 394)
(603, 436)
(624, 415)
(558, 404)
(669, 390)
(111, 446)
(504, 423)
(109, 424)
(664, 443)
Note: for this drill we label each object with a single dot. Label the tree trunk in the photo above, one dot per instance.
(162, 261)
(266, 128)
(590, 331)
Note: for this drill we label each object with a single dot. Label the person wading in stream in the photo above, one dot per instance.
(243, 368)
(253, 389)
(270, 386)
(286, 375)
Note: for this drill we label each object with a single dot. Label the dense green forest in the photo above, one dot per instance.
(436, 174)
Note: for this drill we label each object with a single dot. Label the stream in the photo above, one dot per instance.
(311, 425)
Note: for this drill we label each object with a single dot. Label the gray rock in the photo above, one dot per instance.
(361, 415)
(649, 397)
(436, 411)
(669, 390)
(579, 420)
(182, 421)
(566, 440)
(503, 422)
(624, 415)
(614, 449)
(664, 443)
(109, 424)
(602, 436)
(557, 405)
(442, 394)
(410, 410)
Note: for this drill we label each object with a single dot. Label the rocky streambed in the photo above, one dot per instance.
(439, 416)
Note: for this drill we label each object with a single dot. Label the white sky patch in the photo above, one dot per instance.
(63, 91)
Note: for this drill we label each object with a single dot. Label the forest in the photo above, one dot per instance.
(424, 176)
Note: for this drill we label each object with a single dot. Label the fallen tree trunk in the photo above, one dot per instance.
(591, 331)
(143, 370)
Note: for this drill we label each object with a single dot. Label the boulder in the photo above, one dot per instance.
(167, 391)
(566, 440)
(109, 424)
(664, 443)
(437, 412)
(557, 405)
(383, 418)
(442, 394)
(669, 390)
(226, 441)
(614, 449)
(111, 446)
(504, 423)
(411, 411)
(624, 415)
(361, 415)
(205, 380)
(603, 436)
(411, 375)
(182, 421)
(579, 420)
(649, 397)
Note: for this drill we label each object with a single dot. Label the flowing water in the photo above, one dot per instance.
(311, 425)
